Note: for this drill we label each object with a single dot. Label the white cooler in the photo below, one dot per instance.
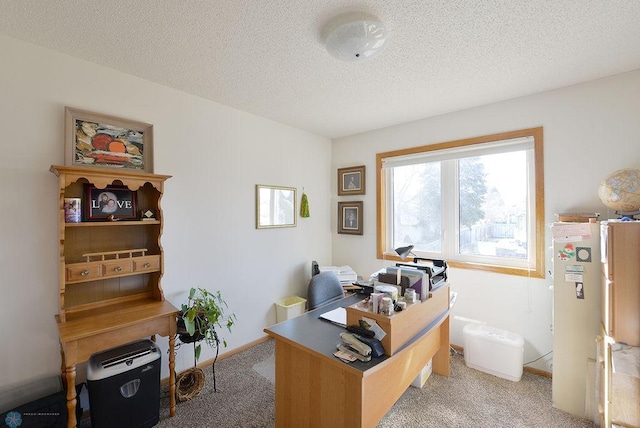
(494, 351)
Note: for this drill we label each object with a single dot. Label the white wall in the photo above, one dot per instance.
(590, 130)
(216, 156)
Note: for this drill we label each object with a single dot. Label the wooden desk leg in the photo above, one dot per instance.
(172, 375)
(441, 363)
(71, 396)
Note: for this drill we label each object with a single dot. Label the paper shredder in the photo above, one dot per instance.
(124, 386)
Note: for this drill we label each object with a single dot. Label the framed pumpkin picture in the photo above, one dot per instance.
(98, 140)
(351, 181)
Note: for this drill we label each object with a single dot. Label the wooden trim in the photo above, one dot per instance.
(102, 177)
(381, 203)
(234, 351)
(539, 220)
(204, 364)
(538, 372)
(457, 348)
(539, 232)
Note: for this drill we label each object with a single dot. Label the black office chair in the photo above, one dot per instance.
(323, 288)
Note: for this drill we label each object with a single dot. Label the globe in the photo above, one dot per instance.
(620, 190)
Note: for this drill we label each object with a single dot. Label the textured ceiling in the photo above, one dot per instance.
(267, 57)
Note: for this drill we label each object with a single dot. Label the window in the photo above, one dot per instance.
(477, 203)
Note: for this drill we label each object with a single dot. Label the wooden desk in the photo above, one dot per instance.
(108, 328)
(315, 389)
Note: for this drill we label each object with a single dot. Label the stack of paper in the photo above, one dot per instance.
(345, 273)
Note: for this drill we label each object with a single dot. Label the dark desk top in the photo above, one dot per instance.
(320, 336)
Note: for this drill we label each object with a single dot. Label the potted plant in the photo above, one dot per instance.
(199, 317)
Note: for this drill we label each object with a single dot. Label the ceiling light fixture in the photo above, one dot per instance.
(355, 39)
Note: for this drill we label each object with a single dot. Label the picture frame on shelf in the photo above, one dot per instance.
(116, 201)
(72, 210)
(102, 141)
(350, 217)
(351, 181)
(147, 215)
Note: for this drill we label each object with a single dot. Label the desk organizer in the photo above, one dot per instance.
(402, 326)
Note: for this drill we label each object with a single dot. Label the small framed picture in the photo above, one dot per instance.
(116, 201)
(351, 181)
(350, 217)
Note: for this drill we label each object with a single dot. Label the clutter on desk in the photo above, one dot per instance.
(346, 356)
(337, 316)
(387, 306)
(410, 295)
(389, 290)
(351, 344)
(356, 346)
(435, 269)
(359, 330)
(377, 350)
(423, 276)
(403, 279)
(393, 330)
(345, 274)
(365, 288)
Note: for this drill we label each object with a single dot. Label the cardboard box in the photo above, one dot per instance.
(424, 374)
(403, 326)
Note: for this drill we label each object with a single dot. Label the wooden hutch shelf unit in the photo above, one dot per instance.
(109, 275)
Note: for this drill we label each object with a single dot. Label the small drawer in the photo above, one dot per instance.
(83, 271)
(146, 263)
(117, 267)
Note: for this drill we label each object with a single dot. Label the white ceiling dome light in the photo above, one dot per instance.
(351, 38)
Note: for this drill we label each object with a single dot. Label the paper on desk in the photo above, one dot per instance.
(345, 273)
(336, 269)
(336, 316)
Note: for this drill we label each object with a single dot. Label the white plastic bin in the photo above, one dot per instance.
(494, 351)
(289, 307)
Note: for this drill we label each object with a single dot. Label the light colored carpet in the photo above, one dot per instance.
(468, 398)
(267, 368)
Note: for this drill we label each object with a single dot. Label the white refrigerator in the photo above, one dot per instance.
(576, 315)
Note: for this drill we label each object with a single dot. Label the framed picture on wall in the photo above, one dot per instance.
(98, 140)
(351, 181)
(116, 201)
(350, 218)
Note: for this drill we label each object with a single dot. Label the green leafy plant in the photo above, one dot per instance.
(201, 314)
